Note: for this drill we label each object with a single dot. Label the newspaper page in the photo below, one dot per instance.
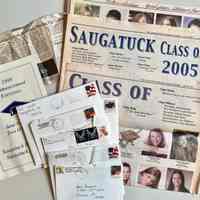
(163, 74)
(13, 46)
(154, 73)
(38, 37)
(147, 56)
(41, 38)
(55, 24)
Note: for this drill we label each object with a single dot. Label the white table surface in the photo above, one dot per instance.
(34, 185)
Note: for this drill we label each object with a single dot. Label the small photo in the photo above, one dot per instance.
(89, 113)
(141, 17)
(103, 132)
(47, 68)
(149, 176)
(113, 152)
(114, 15)
(128, 137)
(87, 10)
(192, 23)
(156, 143)
(178, 180)
(184, 145)
(90, 90)
(127, 173)
(116, 171)
(168, 20)
(86, 135)
(109, 105)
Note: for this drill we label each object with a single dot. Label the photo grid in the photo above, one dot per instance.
(126, 15)
(159, 160)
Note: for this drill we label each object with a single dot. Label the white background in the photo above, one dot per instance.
(35, 185)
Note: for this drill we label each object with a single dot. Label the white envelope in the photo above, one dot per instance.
(89, 183)
(82, 156)
(52, 105)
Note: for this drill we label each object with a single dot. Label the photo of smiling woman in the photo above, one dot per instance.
(155, 144)
(156, 138)
(177, 181)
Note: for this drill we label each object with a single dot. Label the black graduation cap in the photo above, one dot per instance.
(11, 108)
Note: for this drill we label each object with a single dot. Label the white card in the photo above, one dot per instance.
(82, 156)
(20, 82)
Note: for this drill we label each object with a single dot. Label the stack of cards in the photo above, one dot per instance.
(75, 133)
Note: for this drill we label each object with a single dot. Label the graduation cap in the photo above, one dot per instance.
(11, 108)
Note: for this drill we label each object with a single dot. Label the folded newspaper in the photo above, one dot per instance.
(146, 55)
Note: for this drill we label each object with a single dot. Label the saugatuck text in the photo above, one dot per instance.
(110, 40)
